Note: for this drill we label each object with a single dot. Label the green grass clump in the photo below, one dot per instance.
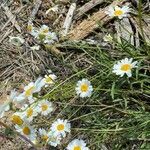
(117, 114)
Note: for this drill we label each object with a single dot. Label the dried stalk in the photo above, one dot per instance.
(89, 5)
(35, 10)
(68, 19)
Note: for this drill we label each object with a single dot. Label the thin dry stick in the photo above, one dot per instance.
(89, 25)
(68, 19)
(11, 18)
(35, 10)
(89, 5)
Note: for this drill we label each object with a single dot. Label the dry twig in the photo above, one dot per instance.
(68, 19)
(89, 5)
(35, 10)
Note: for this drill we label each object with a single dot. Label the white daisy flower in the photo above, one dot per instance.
(108, 38)
(44, 107)
(35, 47)
(30, 113)
(118, 11)
(17, 41)
(43, 32)
(51, 38)
(17, 118)
(44, 29)
(60, 127)
(27, 130)
(4, 107)
(33, 87)
(43, 134)
(124, 67)
(29, 89)
(84, 88)
(53, 140)
(77, 145)
(49, 79)
(49, 137)
(38, 85)
(31, 29)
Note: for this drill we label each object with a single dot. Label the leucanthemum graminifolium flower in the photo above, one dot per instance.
(84, 88)
(33, 87)
(61, 127)
(51, 38)
(49, 137)
(23, 118)
(43, 134)
(54, 140)
(77, 144)
(117, 11)
(12, 98)
(49, 79)
(44, 107)
(17, 118)
(42, 34)
(31, 29)
(27, 130)
(29, 113)
(124, 66)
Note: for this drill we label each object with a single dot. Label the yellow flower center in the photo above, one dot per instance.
(29, 28)
(44, 137)
(118, 12)
(17, 120)
(126, 67)
(29, 112)
(77, 148)
(60, 127)
(45, 30)
(29, 91)
(84, 87)
(44, 107)
(48, 80)
(26, 130)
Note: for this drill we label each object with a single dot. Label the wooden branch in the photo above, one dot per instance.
(68, 19)
(35, 10)
(89, 25)
(89, 5)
